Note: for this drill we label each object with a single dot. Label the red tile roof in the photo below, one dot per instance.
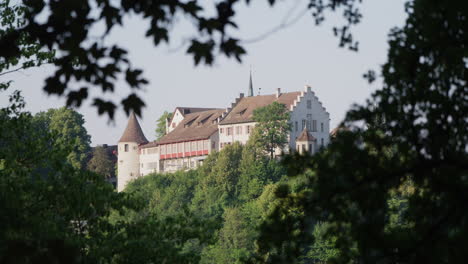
(243, 111)
(195, 126)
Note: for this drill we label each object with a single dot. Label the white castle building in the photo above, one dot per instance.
(193, 133)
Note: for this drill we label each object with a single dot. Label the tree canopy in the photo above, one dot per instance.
(67, 127)
(393, 191)
(272, 128)
(64, 29)
(101, 163)
(161, 124)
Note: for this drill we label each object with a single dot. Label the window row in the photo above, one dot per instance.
(185, 147)
(311, 126)
(237, 130)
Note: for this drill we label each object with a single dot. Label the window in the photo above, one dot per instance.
(321, 142)
(310, 148)
(303, 148)
(309, 118)
(303, 124)
(221, 130)
(237, 130)
(296, 125)
(213, 144)
(309, 104)
(126, 147)
(314, 125)
(248, 129)
(229, 131)
(321, 127)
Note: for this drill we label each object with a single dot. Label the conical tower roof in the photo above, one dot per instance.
(305, 136)
(133, 132)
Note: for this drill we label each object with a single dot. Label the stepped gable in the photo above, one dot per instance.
(133, 132)
(195, 126)
(243, 111)
(305, 136)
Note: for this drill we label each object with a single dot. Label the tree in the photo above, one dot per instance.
(272, 127)
(357, 179)
(30, 53)
(83, 62)
(69, 132)
(161, 124)
(101, 163)
(55, 213)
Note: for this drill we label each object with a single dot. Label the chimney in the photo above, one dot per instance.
(278, 92)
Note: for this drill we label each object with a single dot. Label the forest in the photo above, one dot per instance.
(390, 188)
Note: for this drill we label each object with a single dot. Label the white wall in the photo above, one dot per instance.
(149, 161)
(301, 111)
(241, 137)
(127, 164)
(176, 119)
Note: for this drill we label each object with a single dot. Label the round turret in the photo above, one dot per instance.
(128, 166)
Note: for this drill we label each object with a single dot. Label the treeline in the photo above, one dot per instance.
(230, 195)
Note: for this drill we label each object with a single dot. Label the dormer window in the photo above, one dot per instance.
(189, 123)
(242, 111)
(204, 120)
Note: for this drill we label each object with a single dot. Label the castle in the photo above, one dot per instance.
(193, 133)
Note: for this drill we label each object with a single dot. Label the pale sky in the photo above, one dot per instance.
(299, 55)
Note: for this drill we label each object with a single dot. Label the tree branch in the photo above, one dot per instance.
(20, 68)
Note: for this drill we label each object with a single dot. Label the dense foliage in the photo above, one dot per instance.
(101, 162)
(394, 190)
(68, 131)
(53, 212)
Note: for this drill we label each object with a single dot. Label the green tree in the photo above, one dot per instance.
(55, 213)
(161, 124)
(95, 64)
(101, 163)
(69, 132)
(272, 127)
(218, 188)
(356, 187)
(29, 53)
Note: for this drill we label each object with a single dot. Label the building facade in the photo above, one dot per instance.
(193, 133)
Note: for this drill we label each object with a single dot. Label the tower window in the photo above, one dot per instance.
(126, 147)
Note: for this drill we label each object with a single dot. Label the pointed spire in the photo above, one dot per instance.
(133, 132)
(250, 93)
